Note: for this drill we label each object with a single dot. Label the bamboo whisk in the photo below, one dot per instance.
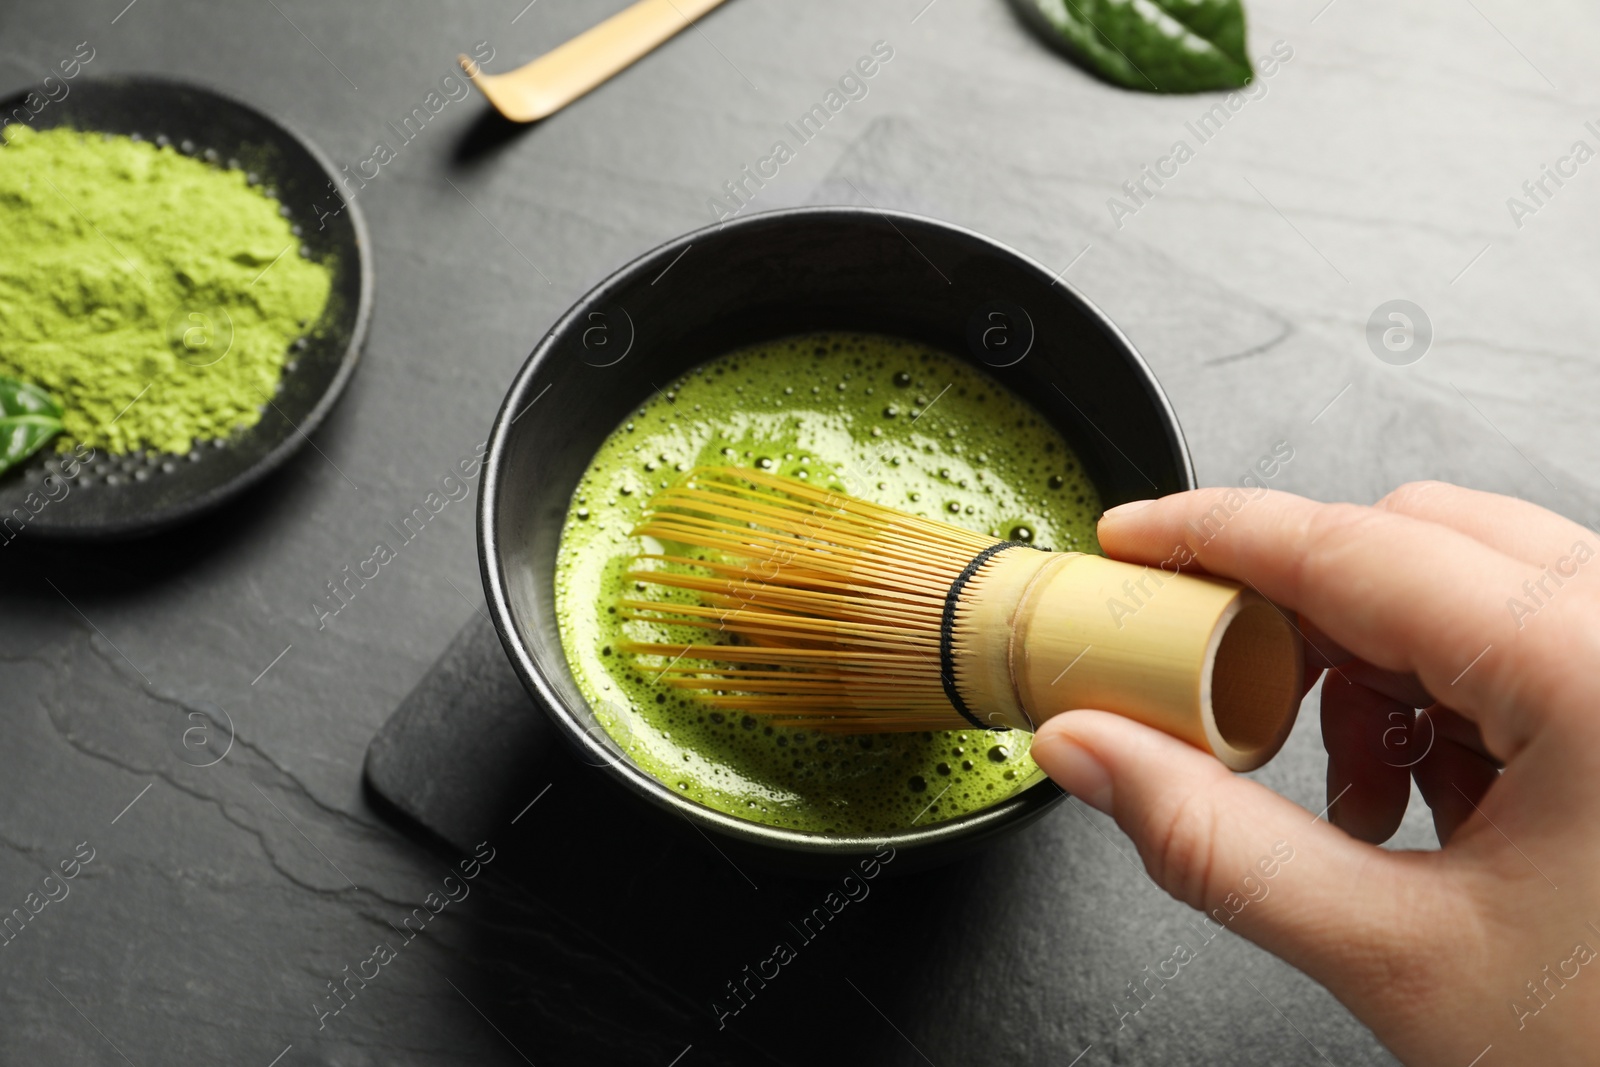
(819, 609)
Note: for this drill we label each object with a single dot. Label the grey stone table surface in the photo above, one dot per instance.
(222, 900)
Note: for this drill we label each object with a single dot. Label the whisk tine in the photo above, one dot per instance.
(809, 604)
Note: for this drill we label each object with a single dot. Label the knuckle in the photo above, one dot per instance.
(1329, 534)
(1407, 498)
(1210, 514)
(1179, 851)
(1335, 524)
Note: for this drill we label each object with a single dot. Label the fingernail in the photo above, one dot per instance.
(1075, 769)
(1123, 511)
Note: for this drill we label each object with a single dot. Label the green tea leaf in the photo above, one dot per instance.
(28, 418)
(1158, 46)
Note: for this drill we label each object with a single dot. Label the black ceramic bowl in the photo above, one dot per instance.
(122, 496)
(756, 279)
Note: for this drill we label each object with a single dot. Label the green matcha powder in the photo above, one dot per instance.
(155, 295)
(895, 422)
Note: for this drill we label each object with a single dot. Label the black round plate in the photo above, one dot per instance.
(122, 496)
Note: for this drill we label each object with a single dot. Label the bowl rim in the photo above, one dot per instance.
(1021, 807)
(146, 524)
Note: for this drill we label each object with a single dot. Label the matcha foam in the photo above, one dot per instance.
(891, 421)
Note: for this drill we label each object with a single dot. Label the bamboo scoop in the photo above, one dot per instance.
(822, 610)
(566, 72)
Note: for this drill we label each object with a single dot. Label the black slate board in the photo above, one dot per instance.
(458, 754)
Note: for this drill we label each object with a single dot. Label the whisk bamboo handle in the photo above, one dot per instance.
(1200, 658)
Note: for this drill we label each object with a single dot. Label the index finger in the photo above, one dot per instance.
(1398, 592)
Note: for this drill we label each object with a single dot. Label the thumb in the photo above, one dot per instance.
(1251, 860)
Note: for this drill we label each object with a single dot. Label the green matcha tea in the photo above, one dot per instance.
(888, 420)
(154, 294)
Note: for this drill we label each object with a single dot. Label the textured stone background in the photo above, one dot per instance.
(218, 905)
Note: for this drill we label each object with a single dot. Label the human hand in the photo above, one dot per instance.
(1485, 611)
